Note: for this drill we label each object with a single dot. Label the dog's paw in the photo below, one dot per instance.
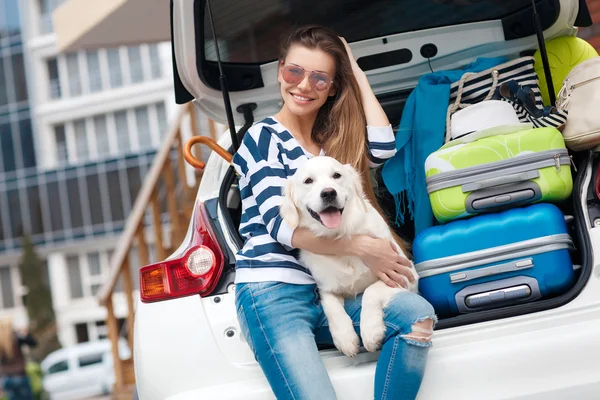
(346, 340)
(372, 331)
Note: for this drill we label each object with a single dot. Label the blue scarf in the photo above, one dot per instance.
(422, 130)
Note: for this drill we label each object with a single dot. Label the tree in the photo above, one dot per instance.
(38, 302)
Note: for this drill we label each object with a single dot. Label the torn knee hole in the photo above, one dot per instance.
(422, 331)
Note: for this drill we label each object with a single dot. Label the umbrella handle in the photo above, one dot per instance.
(193, 161)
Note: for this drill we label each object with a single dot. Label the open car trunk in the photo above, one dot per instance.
(394, 52)
(576, 216)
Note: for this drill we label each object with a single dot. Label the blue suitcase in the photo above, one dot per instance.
(494, 260)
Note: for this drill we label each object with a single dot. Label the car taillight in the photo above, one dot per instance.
(197, 271)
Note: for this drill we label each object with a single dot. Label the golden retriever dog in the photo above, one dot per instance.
(327, 198)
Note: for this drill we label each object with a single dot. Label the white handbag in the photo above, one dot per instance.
(580, 96)
(474, 88)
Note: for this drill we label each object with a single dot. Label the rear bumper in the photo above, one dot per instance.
(550, 354)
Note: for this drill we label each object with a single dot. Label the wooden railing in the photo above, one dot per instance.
(167, 175)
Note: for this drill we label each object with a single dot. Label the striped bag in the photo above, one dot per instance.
(476, 87)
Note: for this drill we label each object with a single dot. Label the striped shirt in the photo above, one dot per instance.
(268, 155)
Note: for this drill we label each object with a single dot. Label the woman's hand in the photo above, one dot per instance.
(373, 112)
(355, 67)
(383, 260)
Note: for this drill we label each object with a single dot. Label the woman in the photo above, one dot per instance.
(276, 298)
(12, 362)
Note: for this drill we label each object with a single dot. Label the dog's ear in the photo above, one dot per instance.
(357, 183)
(287, 209)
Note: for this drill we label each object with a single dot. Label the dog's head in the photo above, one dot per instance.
(322, 195)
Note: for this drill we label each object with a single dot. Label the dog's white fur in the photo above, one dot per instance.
(348, 276)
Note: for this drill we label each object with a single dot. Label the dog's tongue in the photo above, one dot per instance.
(331, 217)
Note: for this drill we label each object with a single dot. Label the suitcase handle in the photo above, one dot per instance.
(496, 198)
(512, 266)
(493, 294)
(500, 180)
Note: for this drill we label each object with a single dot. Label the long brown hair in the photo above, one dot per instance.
(341, 125)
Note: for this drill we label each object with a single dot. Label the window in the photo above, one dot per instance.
(74, 276)
(122, 126)
(35, 209)
(14, 205)
(3, 86)
(94, 264)
(54, 78)
(60, 366)
(90, 359)
(95, 288)
(75, 210)
(54, 202)
(114, 67)
(101, 133)
(6, 288)
(135, 64)
(143, 127)
(162, 119)
(93, 187)
(155, 67)
(74, 77)
(8, 151)
(46, 9)
(135, 182)
(357, 20)
(82, 333)
(115, 196)
(62, 155)
(19, 82)
(81, 141)
(27, 145)
(101, 329)
(93, 64)
(10, 26)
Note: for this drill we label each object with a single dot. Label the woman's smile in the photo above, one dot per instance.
(301, 99)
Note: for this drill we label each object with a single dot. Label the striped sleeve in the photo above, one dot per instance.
(265, 176)
(382, 144)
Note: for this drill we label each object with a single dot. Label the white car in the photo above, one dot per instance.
(188, 343)
(82, 370)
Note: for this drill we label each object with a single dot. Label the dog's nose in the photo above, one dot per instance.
(328, 194)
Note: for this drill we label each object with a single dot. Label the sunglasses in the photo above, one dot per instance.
(294, 74)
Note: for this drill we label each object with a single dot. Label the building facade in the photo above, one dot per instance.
(17, 152)
(78, 132)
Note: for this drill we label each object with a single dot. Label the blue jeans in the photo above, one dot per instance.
(17, 387)
(283, 323)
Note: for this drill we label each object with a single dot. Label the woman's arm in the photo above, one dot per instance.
(378, 254)
(258, 162)
(380, 135)
(373, 111)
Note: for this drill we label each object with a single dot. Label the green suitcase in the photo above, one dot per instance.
(498, 172)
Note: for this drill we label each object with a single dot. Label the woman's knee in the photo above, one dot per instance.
(412, 317)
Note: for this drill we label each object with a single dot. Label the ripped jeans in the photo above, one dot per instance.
(283, 323)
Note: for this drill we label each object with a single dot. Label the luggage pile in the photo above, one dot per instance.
(497, 185)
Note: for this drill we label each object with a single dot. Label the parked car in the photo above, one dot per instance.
(82, 370)
(188, 343)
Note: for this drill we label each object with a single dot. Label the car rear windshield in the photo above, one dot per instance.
(250, 31)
